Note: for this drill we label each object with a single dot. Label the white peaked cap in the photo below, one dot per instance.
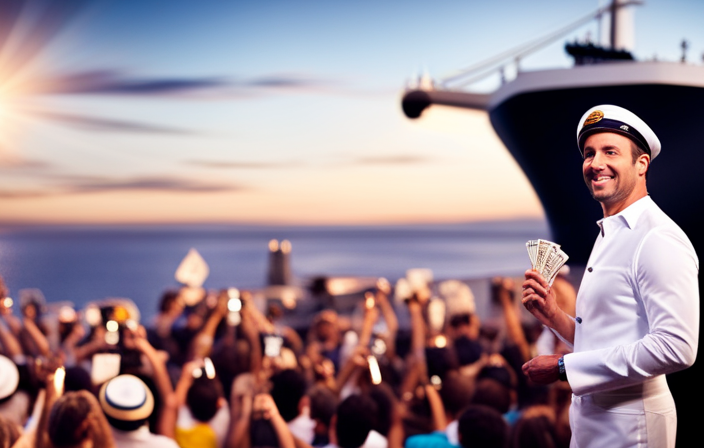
(610, 118)
(9, 377)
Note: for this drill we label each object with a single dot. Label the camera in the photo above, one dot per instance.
(377, 346)
(119, 318)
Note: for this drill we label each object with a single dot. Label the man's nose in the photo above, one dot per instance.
(597, 162)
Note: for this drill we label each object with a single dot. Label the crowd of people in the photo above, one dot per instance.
(216, 370)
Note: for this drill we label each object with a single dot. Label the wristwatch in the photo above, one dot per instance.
(561, 369)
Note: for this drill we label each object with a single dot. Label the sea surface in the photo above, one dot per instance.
(81, 264)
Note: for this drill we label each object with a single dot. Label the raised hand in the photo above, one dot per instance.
(539, 298)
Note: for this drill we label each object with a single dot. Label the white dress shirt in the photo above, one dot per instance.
(637, 319)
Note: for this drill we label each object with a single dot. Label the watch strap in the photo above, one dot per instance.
(562, 373)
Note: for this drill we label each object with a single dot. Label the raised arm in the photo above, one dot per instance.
(10, 345)
(418, 332)
(240, 417)
(166, 422)
(436, 407)
(503, 288)
(389, 314)
(186, 380)
(250, 331)
(265, 407)
(51, 376)
(38, 338)
(202, 343)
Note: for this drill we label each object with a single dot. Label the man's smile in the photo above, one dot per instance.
(601, 179)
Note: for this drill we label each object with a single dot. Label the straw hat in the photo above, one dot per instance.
(126, 398)
(9, 377)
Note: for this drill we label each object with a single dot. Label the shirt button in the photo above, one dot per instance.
(590, 269)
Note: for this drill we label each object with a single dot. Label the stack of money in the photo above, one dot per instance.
(546, 257)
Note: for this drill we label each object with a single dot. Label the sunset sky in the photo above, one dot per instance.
(277, 112)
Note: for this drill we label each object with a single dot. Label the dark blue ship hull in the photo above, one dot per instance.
(539, 128)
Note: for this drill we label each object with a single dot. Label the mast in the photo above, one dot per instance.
(621, 33)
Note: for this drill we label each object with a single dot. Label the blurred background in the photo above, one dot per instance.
(132, 131)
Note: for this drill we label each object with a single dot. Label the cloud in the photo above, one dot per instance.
(391, 160)
(24, 194)
(20, 164)
(223, 164)
(105, 124)
(88, 185)
(281, 81)
(163, 184)
(115, 82)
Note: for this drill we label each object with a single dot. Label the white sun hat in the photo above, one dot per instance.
(126, 398)
(9, 377)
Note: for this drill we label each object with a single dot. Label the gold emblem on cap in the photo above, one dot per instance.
(593, 117)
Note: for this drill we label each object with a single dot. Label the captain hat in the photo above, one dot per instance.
(126, 398)
(610, 118)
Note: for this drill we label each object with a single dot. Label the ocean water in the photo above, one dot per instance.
(81, 264)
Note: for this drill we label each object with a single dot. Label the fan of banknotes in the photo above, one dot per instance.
(546, 257)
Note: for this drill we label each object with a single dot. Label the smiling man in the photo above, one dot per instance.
(638, 304)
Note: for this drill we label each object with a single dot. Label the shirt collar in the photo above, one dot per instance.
(629, 216)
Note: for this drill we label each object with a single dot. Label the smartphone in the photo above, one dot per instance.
(403, 291)
(234, 306)
(272, 345)
(105, 366)
(112, 333)
(374, 370)
(377, 346)
(436, 314)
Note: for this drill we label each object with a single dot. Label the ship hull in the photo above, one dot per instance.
(539, 130)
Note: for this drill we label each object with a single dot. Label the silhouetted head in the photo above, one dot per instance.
(288, 387)
(203, 398)
(355, 417)
(482, 427)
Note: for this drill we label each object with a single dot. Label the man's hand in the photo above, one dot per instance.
(136, 339)
(542, 369)
(539, 298)
(44, 368)
(188, 369)
(383, 287)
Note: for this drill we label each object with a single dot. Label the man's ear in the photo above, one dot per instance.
(643, 164)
